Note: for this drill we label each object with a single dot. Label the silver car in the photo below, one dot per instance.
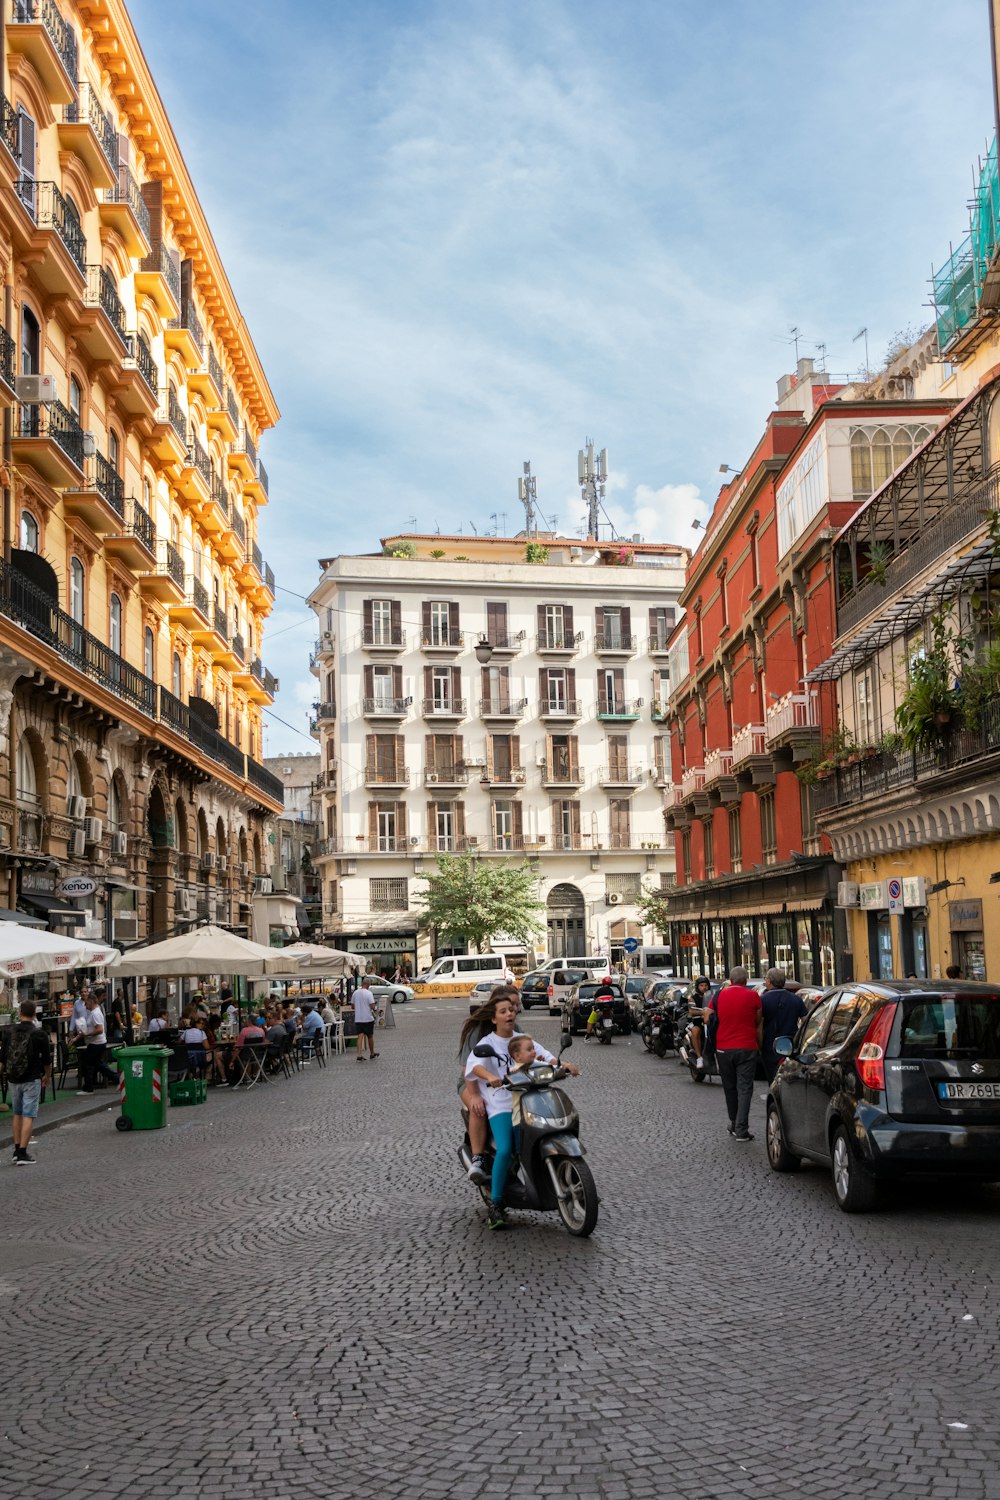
(382, 990)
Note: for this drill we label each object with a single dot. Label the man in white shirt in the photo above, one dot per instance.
(364, 1019)
(96, 1048)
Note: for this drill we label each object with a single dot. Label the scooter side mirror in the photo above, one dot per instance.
(483, 1051)
(783, 1046)
(565, 1041)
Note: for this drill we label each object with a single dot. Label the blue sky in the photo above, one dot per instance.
(465, 233)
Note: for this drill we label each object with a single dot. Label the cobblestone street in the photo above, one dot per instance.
(290, 1292)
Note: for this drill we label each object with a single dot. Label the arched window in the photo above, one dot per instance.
(31, 342)
(117, 816)
(149, 652)
(115, 625)
(175, 676)
(76, 590)
(27, 786)
(175, 531)
(76, 399)
(114, 451)
(29, 532)
(199, 559)
(147, 495)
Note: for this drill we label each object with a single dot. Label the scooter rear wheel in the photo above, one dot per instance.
(698, 1075)
(578, 1210)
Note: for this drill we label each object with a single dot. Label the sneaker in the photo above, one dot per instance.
(24, 1160)
(743, 1138)
(700, 1063)
(374, 1055)
(80, 1093)
(496, 1218)
(731, 1127)
(477, 1171)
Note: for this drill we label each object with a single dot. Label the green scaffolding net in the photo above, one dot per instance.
(958, 284)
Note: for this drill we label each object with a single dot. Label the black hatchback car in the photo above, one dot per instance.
(888, 1080)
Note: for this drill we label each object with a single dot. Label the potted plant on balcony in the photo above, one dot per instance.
(878, 563)
(933, 700)
(979, 684)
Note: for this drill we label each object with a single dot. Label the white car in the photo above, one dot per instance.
(381, 990)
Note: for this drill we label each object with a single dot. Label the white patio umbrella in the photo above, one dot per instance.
(203, 950)
(307, 961)
(28, 950)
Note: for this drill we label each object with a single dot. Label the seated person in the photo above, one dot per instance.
(252, 1032)
(698, 1002)
(313, 1027)
(194, 1040)
(276, 1037)
(605, 991)
(289, 1018)
(328, 1014)
(217, 1062)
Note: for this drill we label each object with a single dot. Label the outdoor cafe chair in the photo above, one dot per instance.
(252, 1056)
(335, 1035)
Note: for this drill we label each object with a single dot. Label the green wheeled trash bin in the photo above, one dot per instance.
(143, 1087)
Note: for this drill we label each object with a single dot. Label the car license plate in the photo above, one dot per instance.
(607, 1024)
(969, 1090)
(656, 1030)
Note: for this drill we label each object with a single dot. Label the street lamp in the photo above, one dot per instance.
(484, 651)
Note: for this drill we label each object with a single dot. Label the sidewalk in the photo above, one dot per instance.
(66, 1106)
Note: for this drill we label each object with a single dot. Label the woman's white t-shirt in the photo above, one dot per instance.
(498, 1101)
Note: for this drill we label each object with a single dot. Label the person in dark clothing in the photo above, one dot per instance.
(782, 1013)
(28, 1059)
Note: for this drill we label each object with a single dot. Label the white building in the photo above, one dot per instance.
(552, 748)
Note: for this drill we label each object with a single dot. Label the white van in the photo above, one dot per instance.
(469, 969)
(594, 965)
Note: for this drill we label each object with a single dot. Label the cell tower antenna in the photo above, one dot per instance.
(592, 475)
(527, 493)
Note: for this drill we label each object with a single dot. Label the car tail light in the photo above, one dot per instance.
(871, 1056)
(552, 991)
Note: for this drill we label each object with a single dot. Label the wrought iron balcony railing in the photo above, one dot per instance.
(140, 354)
(102, 292)
(160, 262)
(127, 191)
(190, 320)
(50, 210)
(52, 421)
(109, 483)
(61, 34)
(87, 109)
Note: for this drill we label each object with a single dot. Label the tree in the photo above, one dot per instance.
(652, 909)
(471, 900)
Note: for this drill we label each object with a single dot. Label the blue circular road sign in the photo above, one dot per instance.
(630, 945)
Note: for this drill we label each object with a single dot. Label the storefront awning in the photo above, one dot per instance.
(806, 903)
(115, 883)
(6, 915)
(54, 910)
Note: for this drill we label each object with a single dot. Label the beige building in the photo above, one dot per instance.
(133, 593)
(471, 700)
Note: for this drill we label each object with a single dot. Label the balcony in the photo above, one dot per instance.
(719, 778)
(169, 438)
(8, 356)
(194, 610)
(100, 501)
(266, 684)
(159, 279)
(243, 458)
(325, 712)
(257, 485)
(693, 789)
(326, 646)
(506, 843)
(656, 645)
(231, 539)
(394, 776)
(446, 776)
(613, 643)
(442, 641)
(257, 577)
(559, 710)
(383, 638)
(237, 646)
(505, 644)
(186, 335)
(505, 775)
(444, 708)
(213, 634)
(124, 210)
(208, 380)
(195, 478)
(86, 130)
(621, 840)
(165, 581)
(137, 380)
(60, 261)
(624, 776)
(101, 327)
(37, 32)
(556, 643)
(386, 708)
(9, 132)
(793, 724)
(49, 440)
(661, 774)
(628, 709)
(510, 709)
(751, 758)
(554, 777)
(225, 418)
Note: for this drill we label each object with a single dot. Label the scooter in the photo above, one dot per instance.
(604, 1026)
(688, 1056)
(548, 1173)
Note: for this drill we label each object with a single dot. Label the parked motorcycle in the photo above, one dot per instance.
(548, 1173)
(658, 1027)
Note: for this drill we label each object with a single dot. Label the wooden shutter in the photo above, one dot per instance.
(397, 682)
(515, 752)
(626, 624)
(425, 610)
(396, 619)
(124, 162)
(575, 815)
(504, 687)
(617, 753)
(599, 619)
(186, 288)
(489, 754)
(456, 686)
(571, 685)
(654, 624)
(619, 687)
(369, 682)
(453, 621)
(496, 624)
(428, 684)
(373, 825)
(399, 754)
(486, 687)
(574, 756)
(517, 823)
(371, 754)
(430, 752)
(556, 834)
(457, 749)
(541, 623)
(567, 610)
(366, 617)
(550, 759)
(400, 810)
(459, 808)
(543, 686)
(152, 196)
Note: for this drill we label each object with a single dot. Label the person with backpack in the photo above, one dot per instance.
(28, 1063)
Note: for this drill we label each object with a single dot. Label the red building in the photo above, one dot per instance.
(756, 882)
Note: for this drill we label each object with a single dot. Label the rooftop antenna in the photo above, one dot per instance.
(862, 333)
(474, 531)
(821, 351)
(411, 520)
(527, 493)
(496, 523)
(796, 333)
(592, 474)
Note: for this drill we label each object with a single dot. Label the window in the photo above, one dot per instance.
(562, 765)
(554, 634)
(557, 690)
(813, 1027)
(76, 399)
(76, 590)
(443, 827)
(175, 676)
(387, 895)
(147, 495)
(114, 451)
(496, 625)
(26, 135)
(27, 790)
(175, 531)
(115, 625)
(507, 825)
(386, 829)
(116, 809)
(566, 824)
(382, 686)
(844, 1017)
(708, 844)
(686, 852)
(864, 707)
(381, 622)
(877, 452)
(621, 826)
(31, 343)
(661, 756)
(441, 688)
(661, 623)
(735, 842)
(768, 830)
(440, 615)
(627, 886)
(29, 532)
(503, 756)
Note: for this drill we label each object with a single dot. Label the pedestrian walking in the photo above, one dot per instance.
(364, 1019)
(28, 1063)
(95, 1049)
(782, 1011)
(738, 1037)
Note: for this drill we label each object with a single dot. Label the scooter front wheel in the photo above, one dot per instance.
(578, 1205)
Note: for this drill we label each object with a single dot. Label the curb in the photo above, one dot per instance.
(41, 1127)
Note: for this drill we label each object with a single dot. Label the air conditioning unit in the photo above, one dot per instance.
(432, 777)
(474, 762)
(119, 844)
(35, 390)
(183, 903)
(93, 828)
(78, 843)
(614, 898)
(847, 893)
(541, 761)
(208, 860)
(245, 870)
(76, 808)
(264, 886)
(327, 639)
(126, 929)
(472, 840)
(414, 841)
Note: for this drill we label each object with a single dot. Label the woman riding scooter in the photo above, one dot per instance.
(698, 1007)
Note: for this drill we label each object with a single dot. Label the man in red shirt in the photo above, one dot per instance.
(738, 1037)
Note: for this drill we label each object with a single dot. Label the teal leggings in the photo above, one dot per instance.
(502, 1130)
